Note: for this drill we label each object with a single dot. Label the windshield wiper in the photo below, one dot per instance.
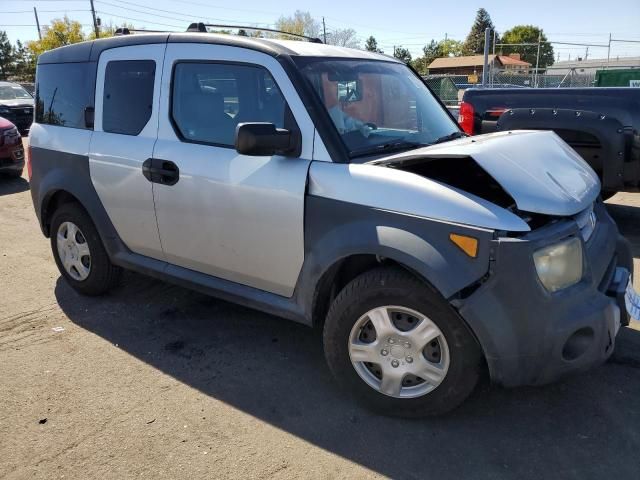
(446, 138)
(385, 148)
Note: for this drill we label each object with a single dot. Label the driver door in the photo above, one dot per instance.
(236, 217)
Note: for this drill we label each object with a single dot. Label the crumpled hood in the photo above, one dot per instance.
(536, 168)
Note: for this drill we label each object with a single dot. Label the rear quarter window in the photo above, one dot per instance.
(63, 92)
(128, 96)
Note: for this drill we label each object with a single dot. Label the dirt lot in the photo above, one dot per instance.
(155, 381)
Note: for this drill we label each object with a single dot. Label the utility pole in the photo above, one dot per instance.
(324, 30)
(586, 53)
(35, 12)
(538, 57)
(485, 66)
(609, 51)
(95, 23)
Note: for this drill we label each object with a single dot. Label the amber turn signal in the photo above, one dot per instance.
(468, 245)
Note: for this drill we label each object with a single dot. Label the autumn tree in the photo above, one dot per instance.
(300, 23)
(474, 44)
(528, 34)
(343, 37)
(58, 34)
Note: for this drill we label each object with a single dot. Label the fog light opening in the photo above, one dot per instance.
(577, 344)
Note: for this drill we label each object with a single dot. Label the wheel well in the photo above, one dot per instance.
(50, 205)
(339, 275)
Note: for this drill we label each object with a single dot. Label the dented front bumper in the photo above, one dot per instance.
(531, 336)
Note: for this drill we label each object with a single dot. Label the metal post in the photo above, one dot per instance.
(538, 58)
(35, 12)
(324, 31)
(495, 39)
(485, 66)
(95, 23)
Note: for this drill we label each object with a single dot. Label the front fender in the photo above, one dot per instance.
(335, 230)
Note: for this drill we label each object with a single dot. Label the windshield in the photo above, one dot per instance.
(13, 92)
(376, 106)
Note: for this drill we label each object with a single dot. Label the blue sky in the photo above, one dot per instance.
(411, 25)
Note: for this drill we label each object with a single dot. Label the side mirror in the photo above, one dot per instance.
(262, 139)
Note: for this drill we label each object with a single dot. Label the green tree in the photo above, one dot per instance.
(6, 56)
(371, 44)
(402, 54)
(433, 50)
(450, 48)
(25, 65)
(474, 44)
(300, 23)
(528, 53)
(58, 34)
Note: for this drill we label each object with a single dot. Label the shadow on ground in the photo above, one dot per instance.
(587, 426)
(9, 185)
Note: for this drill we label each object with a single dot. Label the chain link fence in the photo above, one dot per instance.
(450, 88)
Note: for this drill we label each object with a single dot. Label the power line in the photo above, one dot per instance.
(46, 11)
(182, 14)
(130, 19)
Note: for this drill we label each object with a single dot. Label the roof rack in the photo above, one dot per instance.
(202, 27)
(130, 31)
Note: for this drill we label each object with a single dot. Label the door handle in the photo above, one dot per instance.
(161, 171)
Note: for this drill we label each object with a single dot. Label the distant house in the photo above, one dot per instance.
(472, 64)
(592, 65)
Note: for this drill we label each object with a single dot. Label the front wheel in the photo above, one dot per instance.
(399, 347)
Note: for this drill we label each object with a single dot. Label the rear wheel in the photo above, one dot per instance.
(79, 253)
(399, 347)
(14, 174)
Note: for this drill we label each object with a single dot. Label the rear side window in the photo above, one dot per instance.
(128, 96)
(210, 99)
(63, 92)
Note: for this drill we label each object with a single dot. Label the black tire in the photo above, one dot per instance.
(395, 286)
(14, 174)
(103, 275)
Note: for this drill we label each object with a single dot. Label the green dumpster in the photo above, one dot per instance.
(618, 78)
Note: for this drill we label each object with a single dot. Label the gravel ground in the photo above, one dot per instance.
(155, 381)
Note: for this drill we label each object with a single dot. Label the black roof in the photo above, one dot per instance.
(90, 51)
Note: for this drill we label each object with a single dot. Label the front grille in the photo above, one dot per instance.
(22, 117)
(586, 221)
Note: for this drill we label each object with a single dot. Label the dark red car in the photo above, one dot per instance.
(11, 149)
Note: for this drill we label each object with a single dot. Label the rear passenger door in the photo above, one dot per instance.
(125, 130)
(236, 217)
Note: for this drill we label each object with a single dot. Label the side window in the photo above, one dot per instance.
(63, 91)
(128, 96)
(210, 99)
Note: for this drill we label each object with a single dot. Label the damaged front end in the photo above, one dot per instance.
(553, 299)
(534, 175)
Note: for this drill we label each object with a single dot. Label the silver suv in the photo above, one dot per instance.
(329, 186)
